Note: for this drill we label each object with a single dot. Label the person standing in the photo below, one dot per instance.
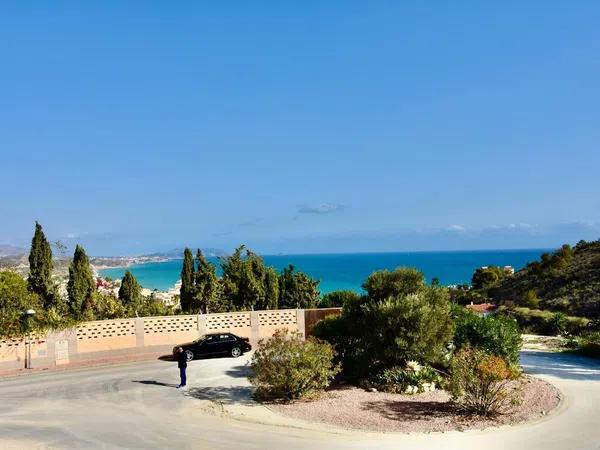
(182, 364)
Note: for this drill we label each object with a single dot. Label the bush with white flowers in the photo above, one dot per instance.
(410, 379)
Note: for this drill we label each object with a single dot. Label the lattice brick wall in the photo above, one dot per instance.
(106, 329)
(176, 324)
(275, 318)
(227, 321)
(10, 343)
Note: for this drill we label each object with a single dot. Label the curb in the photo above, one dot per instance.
(105, 362)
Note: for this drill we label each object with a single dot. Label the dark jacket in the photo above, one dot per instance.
(181, 360)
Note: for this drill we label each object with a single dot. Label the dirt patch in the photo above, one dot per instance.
(355, 408)
(544, 343)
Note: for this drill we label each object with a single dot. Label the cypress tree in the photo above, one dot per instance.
(247, 282)
(81, 282)
(232, 267)
(206, 286)
(40, 268)
(271, 290)
(130, 292)
(297, 290)
(186, 291)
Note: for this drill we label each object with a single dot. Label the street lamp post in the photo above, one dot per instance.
(29, 313)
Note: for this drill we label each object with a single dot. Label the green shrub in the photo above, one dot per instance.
(486, 277)
(410, 379)
(462, 296)
(288, 367)
(537, 321)
(411, 327)
(498, 335)
(153, 306)
(15, 299)
(576, 325)
(478, 382)
(588, 344)
(531, 299)
(558, 323)
(101, 307)
(337, 299)
(371, 336)
(346, 333)
(384, 284)
(339, 332)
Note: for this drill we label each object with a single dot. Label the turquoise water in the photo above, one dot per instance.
(348, 271)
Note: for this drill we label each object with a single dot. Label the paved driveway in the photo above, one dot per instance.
(136, 406)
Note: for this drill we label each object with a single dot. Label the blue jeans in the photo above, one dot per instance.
(182, 376)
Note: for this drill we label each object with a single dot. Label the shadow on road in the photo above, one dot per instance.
(241, 371)
(171, 358)
(227, 395)
(561, 365)
(155, 383)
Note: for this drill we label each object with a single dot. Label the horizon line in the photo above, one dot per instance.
(515, 249)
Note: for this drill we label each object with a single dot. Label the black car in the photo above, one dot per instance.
(216, 344)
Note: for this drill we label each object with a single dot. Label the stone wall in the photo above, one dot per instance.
(106, 339)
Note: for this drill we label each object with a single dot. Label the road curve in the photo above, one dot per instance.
(136, 406)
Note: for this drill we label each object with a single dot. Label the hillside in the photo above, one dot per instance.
(11, 250)
(567, 280)
(177, 253)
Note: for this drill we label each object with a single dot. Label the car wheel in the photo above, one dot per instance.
(189, 355)
(236, 351)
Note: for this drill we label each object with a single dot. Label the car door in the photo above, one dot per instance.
(224, 345)
(210, 345)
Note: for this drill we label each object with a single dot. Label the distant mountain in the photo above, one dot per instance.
(11, 250)
(567, 280)
(177, 253)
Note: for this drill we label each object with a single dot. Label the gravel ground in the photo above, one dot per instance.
(355, 408)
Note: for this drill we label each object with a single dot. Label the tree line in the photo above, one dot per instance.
(246, 284)
(81, 301)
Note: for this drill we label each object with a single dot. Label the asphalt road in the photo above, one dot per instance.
(137, 406)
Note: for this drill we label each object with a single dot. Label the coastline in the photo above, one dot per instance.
(122, 262)
(125, 262)
(340, 271)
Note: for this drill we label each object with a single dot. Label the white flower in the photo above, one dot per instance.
(414, 366)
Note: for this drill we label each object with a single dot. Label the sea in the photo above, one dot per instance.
(349, 270)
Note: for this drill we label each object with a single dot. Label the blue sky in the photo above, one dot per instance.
(133, 127)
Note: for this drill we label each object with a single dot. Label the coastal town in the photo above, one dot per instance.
(300, 225)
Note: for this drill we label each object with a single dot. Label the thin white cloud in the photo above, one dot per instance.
(222, 234)
(251, 222)
(455, 227)
(513, 226)
(323, 208)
